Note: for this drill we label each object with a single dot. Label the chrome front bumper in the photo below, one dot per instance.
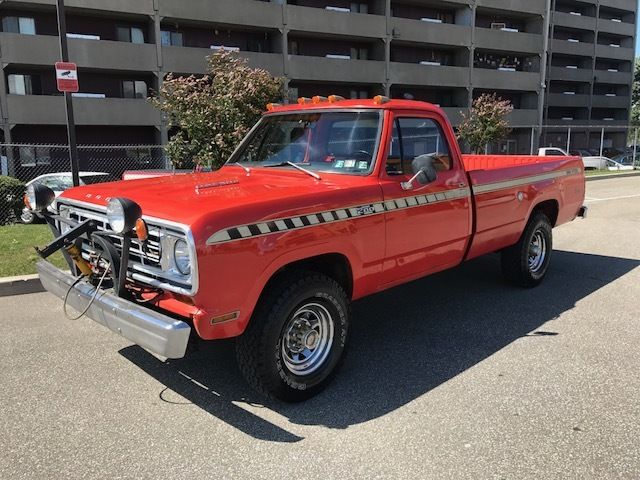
(154, 331)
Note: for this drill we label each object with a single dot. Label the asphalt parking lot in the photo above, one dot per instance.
(454, 376)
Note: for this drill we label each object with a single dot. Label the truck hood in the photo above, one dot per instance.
(195, 197)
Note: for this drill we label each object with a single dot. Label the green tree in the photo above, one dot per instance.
(486, 122)
(635, 95)
(214, 112)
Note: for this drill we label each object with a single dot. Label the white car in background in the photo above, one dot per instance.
(615, 166)
(589, 162)
(59, 182)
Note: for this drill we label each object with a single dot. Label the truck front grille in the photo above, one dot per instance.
(148, 263)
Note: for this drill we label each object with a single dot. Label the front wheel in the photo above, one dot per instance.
(296, 338)
(526, 263)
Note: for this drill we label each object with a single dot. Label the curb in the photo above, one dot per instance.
(20, 285)
(613, 175)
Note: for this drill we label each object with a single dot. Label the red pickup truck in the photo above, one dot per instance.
(323, 203)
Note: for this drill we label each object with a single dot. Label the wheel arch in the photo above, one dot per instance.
(549, 207)
(334, 265)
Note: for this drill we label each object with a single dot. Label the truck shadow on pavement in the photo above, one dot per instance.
(404, 342)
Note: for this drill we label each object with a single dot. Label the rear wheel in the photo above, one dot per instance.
(526, 263)
(296, 338)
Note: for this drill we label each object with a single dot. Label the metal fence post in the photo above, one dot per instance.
(568, 140)
(602, 141)
(533, 130)
(635, 144)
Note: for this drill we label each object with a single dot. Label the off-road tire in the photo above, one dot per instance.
(259, 351)
(515, 263)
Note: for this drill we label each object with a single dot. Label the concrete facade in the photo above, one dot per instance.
(589, 82)
(446, 52)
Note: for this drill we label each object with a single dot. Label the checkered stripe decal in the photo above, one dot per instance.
(330, 216)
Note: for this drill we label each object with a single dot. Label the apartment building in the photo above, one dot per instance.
(591, 59)
(445, 52)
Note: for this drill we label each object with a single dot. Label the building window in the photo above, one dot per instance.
(359, 53)
(173, 39)
(359, 7)
(24, 84)
(134, 89)
(24, 25)
(33, 156)
(130, 34)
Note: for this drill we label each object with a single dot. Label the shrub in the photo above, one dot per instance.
(11, 199)
(213, 113)
(486, 122)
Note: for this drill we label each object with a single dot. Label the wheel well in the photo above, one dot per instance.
(334, 265)
(550, 209)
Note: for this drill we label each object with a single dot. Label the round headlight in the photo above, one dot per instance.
(122, 214)
(181, 257)
(39, 197)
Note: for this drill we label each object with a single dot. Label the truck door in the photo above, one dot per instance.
(427, 226)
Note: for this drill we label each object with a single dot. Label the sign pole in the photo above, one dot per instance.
(71, 126)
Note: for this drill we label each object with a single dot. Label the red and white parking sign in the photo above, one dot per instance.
(67, 77)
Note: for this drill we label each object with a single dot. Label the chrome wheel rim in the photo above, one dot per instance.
(307, 339)
(537, 251)
(26, 216)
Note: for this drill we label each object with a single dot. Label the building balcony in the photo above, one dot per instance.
(319, 20)
(617, 53)
(99, 54)
(583, 49)
(139, 7)
(336, 70)
(499, 80)
(583, 22)
(409, 30)
(604, 76)
(229, 12)
(486, 38)
(628, 5)
(431, 75)
(523, 117)
(616, 28)
(194, 60)
(522, 6)
(50, 110)
(603, 101)
(562, 100)
(571, 74)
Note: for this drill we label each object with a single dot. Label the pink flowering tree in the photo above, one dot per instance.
(485, 123)
(214, 112)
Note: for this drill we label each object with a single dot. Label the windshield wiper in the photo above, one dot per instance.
(294, 165)
(244, 167)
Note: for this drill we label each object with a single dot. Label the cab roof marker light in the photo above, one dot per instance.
(319, 99)
(303, 100)
(272, 106)
(380, 99)
(335, 98)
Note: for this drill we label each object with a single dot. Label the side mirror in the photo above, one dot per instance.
(424, 171)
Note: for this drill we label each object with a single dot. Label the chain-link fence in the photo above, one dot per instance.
(50, 165)
(614, 147)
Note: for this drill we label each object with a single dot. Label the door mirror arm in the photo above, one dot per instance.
(424, 170)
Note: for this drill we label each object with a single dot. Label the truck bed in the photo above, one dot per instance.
(507, 187)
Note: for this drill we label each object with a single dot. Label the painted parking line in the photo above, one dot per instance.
(590, 199)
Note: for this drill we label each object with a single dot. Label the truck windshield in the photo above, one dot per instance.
(338, 142)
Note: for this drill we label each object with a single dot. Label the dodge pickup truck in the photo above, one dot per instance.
(324, 202)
